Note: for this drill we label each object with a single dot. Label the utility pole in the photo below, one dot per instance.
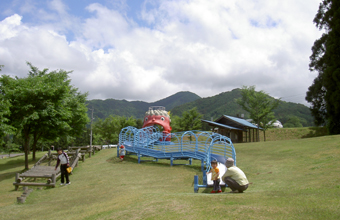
(91, 132)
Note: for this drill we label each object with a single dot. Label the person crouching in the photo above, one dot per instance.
(235, 177)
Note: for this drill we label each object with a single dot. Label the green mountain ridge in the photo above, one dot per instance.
(224, 104)
(211, 107)
(137, 109)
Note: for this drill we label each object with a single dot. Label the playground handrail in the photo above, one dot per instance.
(149, 137)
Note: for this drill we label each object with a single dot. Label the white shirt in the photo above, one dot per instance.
(62, 158)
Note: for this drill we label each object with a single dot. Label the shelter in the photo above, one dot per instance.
(237, 129)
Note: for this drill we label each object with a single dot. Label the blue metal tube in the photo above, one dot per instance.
(149, 141)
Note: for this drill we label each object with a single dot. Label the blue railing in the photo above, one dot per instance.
(201, 145)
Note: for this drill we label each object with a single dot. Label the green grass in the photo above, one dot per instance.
(279, 134)
(292, 179)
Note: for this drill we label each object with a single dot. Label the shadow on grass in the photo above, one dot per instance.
(9, 175)
(161, 162)
(14, 163)
(196, 168)
(316, 132)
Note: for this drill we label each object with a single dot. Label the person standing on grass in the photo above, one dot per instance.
(64, 163)
(215, 172)
(122, 153)
(235, 177)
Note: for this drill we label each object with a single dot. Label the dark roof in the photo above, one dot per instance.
(221, 125)
(235, 122)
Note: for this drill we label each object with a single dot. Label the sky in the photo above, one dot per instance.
(148, 50)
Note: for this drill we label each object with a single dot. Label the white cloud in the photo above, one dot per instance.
(9, 27)
(58, 6)
(206, 47)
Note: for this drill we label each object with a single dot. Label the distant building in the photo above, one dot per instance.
(237, 129)
(277, 124)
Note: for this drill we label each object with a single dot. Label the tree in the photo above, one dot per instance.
(190, 120)
(10, 146)
(107, 131)
(293, 122)
(139, 123)
(258, 104)
(267, 122)
(5, 128)
(44, 106)
(324, 93)
(316, 96)
(73, 103)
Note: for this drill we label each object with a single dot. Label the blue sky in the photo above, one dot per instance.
(31, 10)
(148, 50)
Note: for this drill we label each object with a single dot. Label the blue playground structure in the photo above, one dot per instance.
(200, 145)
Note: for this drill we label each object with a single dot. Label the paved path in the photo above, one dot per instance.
(11, 155)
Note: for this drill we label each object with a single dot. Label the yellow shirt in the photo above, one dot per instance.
(236, 174)
(215, 173)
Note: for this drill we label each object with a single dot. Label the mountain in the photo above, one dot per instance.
(214, 106)
(177, 99)
(211, 107)
(104, 108)
(224, 104)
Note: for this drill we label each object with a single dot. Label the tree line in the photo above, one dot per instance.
(106, 131)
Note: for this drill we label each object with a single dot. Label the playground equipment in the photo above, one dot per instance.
(156, 115)
(45, 167)
(200, 145)
(188, 145)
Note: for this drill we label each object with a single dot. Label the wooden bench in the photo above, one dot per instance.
(47, 172)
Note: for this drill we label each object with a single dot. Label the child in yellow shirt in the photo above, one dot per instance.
(215, 172)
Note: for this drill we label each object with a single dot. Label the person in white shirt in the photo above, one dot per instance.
(64, 163)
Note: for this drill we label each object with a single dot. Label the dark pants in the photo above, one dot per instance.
(216, 185)
(234, 185)
(64, 173)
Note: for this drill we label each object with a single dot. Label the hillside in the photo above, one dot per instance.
(292, 179)
(210, 107)
(104, 108)
(224, 103)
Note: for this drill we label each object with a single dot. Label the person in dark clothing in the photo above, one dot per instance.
(64, 163)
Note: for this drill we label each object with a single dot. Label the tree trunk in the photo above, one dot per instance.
(34, 146)
(264, 135)
(26, 135)
(258, 131)
(26, 150)
(34, 149)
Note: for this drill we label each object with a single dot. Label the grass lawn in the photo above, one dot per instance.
(279, 134)
(291, 179)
